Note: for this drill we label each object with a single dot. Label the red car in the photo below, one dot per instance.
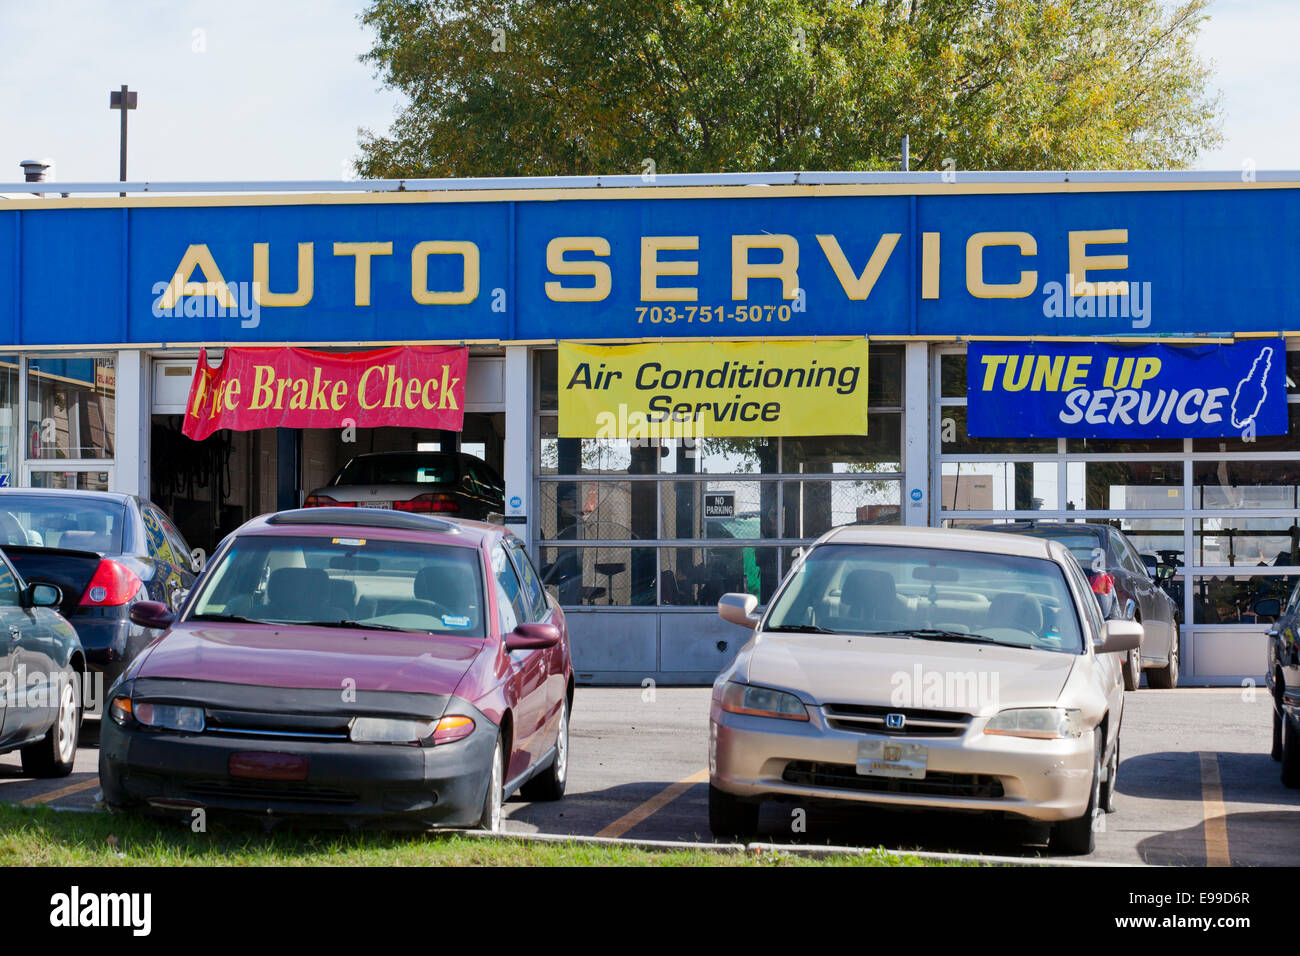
(348, 664)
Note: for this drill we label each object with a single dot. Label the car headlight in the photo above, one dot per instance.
(168, 716)
(762, 702)
(1045, 723)
(387, 730)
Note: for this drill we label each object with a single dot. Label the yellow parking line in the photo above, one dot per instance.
(652, 806)
(61, 792)
(1216, 821)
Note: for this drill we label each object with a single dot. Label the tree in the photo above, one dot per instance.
(564, 87)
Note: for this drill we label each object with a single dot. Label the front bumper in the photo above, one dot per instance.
(347, 784)
(762, 757)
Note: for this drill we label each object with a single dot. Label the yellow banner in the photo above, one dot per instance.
(713, 389)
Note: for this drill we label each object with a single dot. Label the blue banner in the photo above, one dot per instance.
(1109, 391)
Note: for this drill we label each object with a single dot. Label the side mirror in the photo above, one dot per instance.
(1164, 573)
(739, 609)
(1267, 607)
(152, 614)
(531, 636)
(1118, 636)
(42, 595)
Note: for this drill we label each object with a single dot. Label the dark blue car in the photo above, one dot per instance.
(104, 551)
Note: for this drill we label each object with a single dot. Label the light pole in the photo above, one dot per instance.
(123, 100)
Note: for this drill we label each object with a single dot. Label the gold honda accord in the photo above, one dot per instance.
(926, 669)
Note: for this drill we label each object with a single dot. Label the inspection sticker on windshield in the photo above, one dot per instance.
(885, 758)
(350, 542)
(452, 620)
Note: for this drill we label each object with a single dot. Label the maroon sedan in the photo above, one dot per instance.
(348, 663)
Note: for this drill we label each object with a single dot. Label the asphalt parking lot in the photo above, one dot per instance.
(1196, 785)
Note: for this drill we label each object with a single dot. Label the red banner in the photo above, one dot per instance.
(416, 386)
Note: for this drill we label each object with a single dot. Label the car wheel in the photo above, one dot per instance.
(730, 817)
(1133, 669)
(1276, 751)
(1077, 836)
(54, 754)
(1112, 775)
(490, 819)
(549, 784)
(1290, 753)
(1166, 678)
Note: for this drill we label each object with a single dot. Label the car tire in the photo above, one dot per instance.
(1166, 678)
(493, 801)
(549, 784)
(1290, 753)
(1077, 836)
(1112, 775)
(730, 817)
(55, 753)
(1133, 669)
(1276, 751)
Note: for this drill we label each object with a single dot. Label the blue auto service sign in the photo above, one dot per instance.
(1017, 390)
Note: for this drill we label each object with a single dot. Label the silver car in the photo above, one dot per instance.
(450, 484)
(924, 668)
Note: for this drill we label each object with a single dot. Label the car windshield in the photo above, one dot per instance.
(364, 581)
(995, 598)
(416, 468)
(62, 521)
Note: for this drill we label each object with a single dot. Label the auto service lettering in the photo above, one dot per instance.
(413, 386)
(1101, 391)
(674, 390)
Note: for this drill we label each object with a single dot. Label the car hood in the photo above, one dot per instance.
(909, 672)
(309, 657)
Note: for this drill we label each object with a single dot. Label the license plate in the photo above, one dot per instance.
(387, 505)
(885, 758)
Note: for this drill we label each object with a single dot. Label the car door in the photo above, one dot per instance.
(540, 610)
(10, 626)
(528, 667)
(1153, 604)
(1107, 669)
(34, 659)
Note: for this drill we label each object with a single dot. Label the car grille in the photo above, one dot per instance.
(247, 723)
(839, 776)
(265, 792)
(864, 719)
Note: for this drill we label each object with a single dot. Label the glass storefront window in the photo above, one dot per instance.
(594, 456)
(1158, 537)
(1260, 443)
(80, 480)
(1247, 542)
(1228, 484)
(1231, 598)
(719, 509)
(953, 439)
(1102, 446)
(1000, 486)
(952, 375)
(720, 456)
(9, 450)
(885, 377)
(697, 577)
(880, 450)
(70, 407)
(812, 508)
(597, 510)
(1124, 486)
(599, 576)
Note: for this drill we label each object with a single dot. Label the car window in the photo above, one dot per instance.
(1014, 600)
(9, 593)
(536, 597)
(64, 521)
(1086, 596)
(180, 547)
(155, 534)
(1133, 560)
(407, 468)
(508, 582)
(411, 586)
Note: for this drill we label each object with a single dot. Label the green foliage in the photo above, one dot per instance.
(567, 87)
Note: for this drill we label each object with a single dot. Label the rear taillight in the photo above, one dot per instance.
(112, 585)
(1102, 584)
(325, 501)
(429, 502)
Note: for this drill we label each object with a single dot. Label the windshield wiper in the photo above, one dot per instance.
(354, 624)
(938, 634)
(232, 618)
(801, 629)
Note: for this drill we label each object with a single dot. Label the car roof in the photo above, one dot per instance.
(382, 522)
(117, 496)
(953, 539)
(1029, 527)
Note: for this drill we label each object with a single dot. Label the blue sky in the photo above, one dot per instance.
(273, 89)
